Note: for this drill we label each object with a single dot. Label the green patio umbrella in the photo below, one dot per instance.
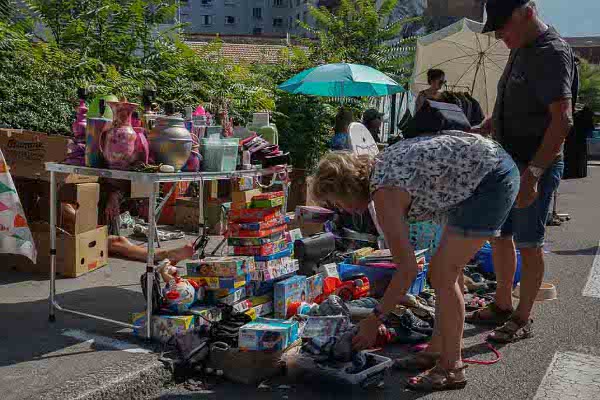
(342, 80)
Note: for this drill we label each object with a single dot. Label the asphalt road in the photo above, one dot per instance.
(565, 349)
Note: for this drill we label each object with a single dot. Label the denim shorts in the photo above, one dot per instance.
(484, 213)
(528, 225)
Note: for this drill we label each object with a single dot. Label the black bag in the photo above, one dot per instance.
(157, 297)
(434, 117)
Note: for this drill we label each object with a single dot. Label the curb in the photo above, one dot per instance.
(141, 381)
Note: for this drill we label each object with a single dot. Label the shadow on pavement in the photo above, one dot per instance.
(27, 335)
(590, 251)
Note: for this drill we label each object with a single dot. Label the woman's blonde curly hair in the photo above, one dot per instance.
(342, 175)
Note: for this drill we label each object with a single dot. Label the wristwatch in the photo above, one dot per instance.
(537, 172)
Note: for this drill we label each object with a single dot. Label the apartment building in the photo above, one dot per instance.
(245, 17)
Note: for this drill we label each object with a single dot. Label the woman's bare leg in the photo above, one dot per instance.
(122, 247)
(447, 263)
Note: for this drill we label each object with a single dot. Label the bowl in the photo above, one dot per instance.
(547, 292)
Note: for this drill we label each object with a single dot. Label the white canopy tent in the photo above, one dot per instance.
(473, 62)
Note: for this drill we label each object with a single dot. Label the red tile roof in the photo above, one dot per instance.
(251, 53)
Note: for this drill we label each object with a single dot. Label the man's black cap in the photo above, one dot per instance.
(499, 12)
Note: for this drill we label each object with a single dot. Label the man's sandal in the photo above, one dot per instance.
(512, 331)
(498, 316)
(438, 378)
(417, 362)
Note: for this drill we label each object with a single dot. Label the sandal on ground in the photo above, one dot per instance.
(512, 331)
(417, 362)
(498, 316)
(438, 378)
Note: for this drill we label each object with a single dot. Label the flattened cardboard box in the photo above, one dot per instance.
(75, 254)
(27, 152)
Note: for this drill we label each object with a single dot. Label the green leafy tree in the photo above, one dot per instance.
(589, 85)
(360, 32)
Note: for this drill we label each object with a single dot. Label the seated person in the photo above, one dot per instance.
(372, 121)
(341, 138)
(436, 78)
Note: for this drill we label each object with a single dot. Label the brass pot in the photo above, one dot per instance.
(170, 142)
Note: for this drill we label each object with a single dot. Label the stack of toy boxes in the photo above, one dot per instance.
(258, 229)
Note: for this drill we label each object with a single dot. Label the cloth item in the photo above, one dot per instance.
(439, 172)
(528, 225)
(365, 302)
(484, 212)
(340, 141)
(142, 231)
(434, 117)
(15, 237)
(535, 77)
(333, 305)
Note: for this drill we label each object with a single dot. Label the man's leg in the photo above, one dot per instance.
(504, 256)
(532, 275)
(529, 225)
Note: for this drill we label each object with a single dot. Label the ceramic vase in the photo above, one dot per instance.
(170, 143)
(119, 142)
(79, 125)
(96, 127)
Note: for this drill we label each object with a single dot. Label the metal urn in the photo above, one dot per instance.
(170, 142)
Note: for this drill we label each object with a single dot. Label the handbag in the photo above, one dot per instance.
(435, 116)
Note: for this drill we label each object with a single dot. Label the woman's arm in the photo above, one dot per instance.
(421, 97)
(392, 207)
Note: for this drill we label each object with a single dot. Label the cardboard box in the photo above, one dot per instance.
(187, 215)
(265, 334)
(242, 183)
(212, 283)
(163, 326)
(85, 197)
(289, 291)
(75, 254)
(311, 228)
(26, 153)
(314, 287)
(206, 314)
(261, 250)
(260, 310)
(268, 203)
(244, 196)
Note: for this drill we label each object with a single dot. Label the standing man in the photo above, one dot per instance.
(531, 119)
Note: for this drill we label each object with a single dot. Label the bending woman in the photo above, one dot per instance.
(465, 180)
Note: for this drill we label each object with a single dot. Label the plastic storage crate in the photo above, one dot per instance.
(379, 278)
(484, 258)
(425, 235)
(219, 155)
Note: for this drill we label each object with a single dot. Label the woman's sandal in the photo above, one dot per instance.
(498, 316)
(438, 378)
(417, 362)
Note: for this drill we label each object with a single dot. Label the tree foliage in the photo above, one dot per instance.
(589, 85)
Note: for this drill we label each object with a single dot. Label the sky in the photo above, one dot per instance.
(572, 17)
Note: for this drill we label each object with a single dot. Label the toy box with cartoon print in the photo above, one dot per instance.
(224, 267)
(314, 287)
(289, 291)
(163, 326)
(264, 334)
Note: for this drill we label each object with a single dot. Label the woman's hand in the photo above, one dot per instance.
(485, 128)
(370, 327)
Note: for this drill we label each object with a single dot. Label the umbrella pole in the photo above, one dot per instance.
(479, 61)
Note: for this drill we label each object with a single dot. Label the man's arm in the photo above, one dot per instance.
(561, 123)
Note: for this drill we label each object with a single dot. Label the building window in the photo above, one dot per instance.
(297, 2)
(229, 20)
(206, 19)
(206, 2)
(277, 22)
(277, 3)
(257, 13)
(290, 22)
(305, 16)
(297, 19)
(257, 31)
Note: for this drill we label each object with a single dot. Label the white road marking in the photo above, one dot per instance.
(592, 287)
(104, 341)
(571, 376)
